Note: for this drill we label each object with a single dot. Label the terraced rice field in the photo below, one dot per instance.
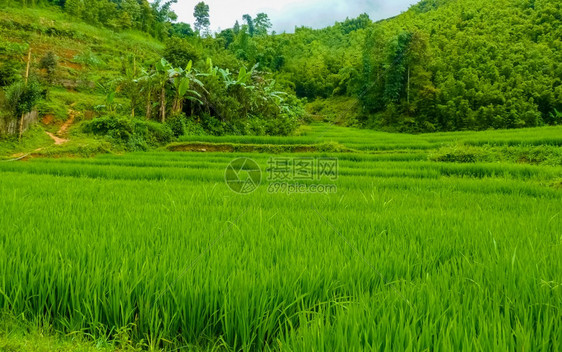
(408, 254)
(367, 140)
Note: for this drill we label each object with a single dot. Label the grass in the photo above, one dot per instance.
(411, 253)
(370, 141)
(16, 335)
(35, 138)
(260, 147)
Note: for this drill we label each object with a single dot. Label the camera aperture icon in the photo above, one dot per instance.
(243, 175)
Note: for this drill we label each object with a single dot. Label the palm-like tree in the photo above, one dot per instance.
(164, 75)
(181, 80)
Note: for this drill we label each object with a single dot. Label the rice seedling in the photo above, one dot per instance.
(409, 254)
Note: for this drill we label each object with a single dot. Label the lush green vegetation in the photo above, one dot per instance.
(443, 238)
(121, 78)
(19, 335)
(447, 254)
(441, 66)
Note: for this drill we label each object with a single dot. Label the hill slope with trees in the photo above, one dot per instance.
(140, 78)
(442, 65)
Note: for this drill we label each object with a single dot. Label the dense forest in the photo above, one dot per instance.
(443, 65)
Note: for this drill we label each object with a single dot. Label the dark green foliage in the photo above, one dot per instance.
(250, 25)
(181, 30)
(179, 52)
(201, 14)
(536, 155)
(227, 37)
(396, 69)
(134, 134)
(182, 125)
(21, 98)
(118, 128)
(9, 72)
(49, 63)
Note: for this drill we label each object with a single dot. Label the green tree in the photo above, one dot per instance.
(49, 63)
(9, 72)
(201, 14)
(250, 24)
(182, 79)
(75, 7)
(181, 30)
(262, 24)
(236, 28)
(21, 98)
(179, 52)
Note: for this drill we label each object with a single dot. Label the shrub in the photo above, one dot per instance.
(133, 134)
(459, 154)
(153, 132)
(120, 128)
(9, 72)
(182, 125)
(21, 97)
(49, 63)
(213, 125)
(179, 52)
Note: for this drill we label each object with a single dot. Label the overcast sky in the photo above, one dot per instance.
(286, 14)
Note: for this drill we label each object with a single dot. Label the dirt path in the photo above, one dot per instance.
(68, 123)
(63, 129)
(57, 140)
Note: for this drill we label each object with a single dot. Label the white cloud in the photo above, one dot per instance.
(286, 14)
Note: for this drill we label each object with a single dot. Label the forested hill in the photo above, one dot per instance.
(442, 65)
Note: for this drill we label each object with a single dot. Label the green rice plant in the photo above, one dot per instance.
(152, 250)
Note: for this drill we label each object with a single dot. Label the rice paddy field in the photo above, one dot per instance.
(422, 247)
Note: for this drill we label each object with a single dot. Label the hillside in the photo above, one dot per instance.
(86, 54)
(87, 59)
(440, 66)
(119, 91)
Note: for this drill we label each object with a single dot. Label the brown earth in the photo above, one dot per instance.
(68, 123)
(72, 65)
(48, 119)
(63, 129)
(57, 140)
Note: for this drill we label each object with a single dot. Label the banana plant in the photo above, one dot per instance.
(245, 76)
(212, 70)
(271, 93)
(146, 83)
(109, 103)
(182, 79)
(162, 75)
(243, 79)
(557, 116)
(226, 77)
